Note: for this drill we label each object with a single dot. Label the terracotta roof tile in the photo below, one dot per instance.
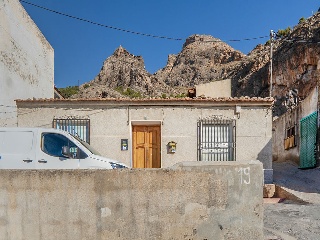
(156, 100)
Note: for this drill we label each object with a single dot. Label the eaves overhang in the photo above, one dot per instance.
(193, 102)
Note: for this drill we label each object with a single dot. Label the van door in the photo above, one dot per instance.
(51, 155)
(17, 149)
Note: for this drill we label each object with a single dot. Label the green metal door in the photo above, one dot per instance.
(308, 133)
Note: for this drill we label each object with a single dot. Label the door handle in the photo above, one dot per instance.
(42, 161)
(27, 160)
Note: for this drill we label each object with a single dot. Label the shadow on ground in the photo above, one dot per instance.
(294, 219)
(288, 175)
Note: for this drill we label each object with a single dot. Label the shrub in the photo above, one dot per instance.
(301, 20)
(182, 95)
(69, 91)
(128, 92)
(284, 32)
(119, 89)
(132, 94)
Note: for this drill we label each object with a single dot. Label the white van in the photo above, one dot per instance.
(46, 148)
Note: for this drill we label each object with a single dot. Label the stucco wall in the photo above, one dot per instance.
(192, 201)
(110, 124)
(305, 108)
(215, 89)
(26, 61)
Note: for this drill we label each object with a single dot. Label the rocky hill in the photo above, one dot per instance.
(204, 59)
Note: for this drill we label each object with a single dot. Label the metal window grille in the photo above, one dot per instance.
(216, 140)
(290, 140)
(291, 131)
(77, 127)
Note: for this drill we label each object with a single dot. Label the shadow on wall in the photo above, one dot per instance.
(265, 155)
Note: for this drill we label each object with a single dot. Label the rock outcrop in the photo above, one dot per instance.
(296, 63)
(202, 59)
(123, 75)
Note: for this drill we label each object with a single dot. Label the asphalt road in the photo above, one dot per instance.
(290, 219)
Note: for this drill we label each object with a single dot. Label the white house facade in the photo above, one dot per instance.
(26, 61)
(153, 133)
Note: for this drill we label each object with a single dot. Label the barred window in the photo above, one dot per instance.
(77, 127)
(291, 131)
(290, 140)
(216, 140)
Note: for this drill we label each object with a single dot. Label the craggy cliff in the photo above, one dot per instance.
(204, 59)
(296, 62)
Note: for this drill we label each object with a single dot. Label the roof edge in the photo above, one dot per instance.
(152, 101)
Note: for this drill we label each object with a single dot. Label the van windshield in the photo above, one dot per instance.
(87, 146)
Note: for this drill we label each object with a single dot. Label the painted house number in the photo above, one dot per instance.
(244, 175)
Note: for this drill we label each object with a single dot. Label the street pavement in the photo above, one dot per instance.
(292, 219)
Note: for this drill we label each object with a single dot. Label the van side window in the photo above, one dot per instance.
(52, 144)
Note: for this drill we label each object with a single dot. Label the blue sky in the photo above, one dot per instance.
(80, 48)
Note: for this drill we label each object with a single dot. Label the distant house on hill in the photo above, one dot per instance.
(153, 133)
(216, 89)
(26, 61)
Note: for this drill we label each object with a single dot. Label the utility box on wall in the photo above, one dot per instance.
(124, 144)
(172, 146)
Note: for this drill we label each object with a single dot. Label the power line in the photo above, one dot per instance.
(235, 40)
(230, 40)
(134, 32)
(300, 41)
(102, 25)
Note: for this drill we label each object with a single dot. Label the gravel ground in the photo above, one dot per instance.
(291, 219)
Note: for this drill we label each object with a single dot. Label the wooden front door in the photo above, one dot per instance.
(146, 147)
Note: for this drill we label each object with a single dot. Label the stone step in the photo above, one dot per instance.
(269, 190)
(273, 200)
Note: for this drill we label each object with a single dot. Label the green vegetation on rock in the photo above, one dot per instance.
(69, 91)
(128, 92)
(284, 32)
(301, 20)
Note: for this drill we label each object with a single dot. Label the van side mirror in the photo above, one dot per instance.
(65, 151)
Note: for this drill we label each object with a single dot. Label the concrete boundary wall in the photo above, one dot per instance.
(193, 200)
